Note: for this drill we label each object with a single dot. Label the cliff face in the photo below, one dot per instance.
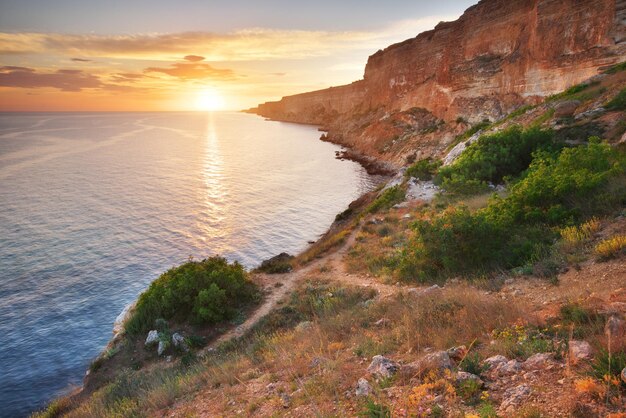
(499, 55)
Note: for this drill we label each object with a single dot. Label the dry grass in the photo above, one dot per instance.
(576, 236)
(611, 247)
(324, 245)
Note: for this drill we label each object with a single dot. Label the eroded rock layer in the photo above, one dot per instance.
(497, 56)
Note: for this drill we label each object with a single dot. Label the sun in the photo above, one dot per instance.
(209, 100)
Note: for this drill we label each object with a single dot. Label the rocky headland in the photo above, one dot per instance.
(486, 278)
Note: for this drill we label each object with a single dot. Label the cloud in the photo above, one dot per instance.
(81, 60)
(194, 58)
(193, 71)
(242, 45)
(127, 77)
(64, 80)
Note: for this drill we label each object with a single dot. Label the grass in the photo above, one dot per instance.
(618, 102)
(616, 68)
(387, 199)
(326, 244)
(608, 363)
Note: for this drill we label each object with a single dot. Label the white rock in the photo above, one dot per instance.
(514, 397)
(118, 325)
(161, 348)
(495, 361)
(437, 361)
(363, 388)
(464, 376)
(152, 338)
(538, 361)
(383, 367)
(508, 368)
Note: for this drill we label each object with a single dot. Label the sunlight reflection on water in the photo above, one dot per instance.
(94, 206)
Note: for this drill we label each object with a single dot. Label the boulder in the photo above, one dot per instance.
(566, 109)
(508, 368)
(383, 367)
(161, 348)
(514, 397)
(437, 361)
(538, 361)
(277, 264)
(495, 361)
(464, 376)
(624, 375)
(152, 338)
(363, 388)
(579, 350)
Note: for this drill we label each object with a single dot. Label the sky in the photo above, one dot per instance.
(69, 55)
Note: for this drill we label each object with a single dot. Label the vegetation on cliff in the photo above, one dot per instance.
(199, 292)
(520, 227)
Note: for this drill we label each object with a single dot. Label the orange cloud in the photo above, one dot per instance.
(194, 71)
(64, 80)
(194, 58)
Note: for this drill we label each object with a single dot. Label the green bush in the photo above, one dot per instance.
(618, 102)
(199, 292)
(515, 230)
(494, 157)
(423, 169)
(472, 363)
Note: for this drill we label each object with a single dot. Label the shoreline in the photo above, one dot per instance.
(369, 164)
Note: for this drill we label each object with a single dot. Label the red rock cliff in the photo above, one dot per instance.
(497, 56)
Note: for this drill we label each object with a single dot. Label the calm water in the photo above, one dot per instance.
(94, 206)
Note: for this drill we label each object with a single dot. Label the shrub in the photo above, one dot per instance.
(610, 248)
(472, 363)
(204, 292)
(423, 169)
(575, 313)
(387, 199)
(469, 390)
(618, 102)
(518, 229)
(375, 410)
(493, 158)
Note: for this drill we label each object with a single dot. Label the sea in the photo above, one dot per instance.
(94, 206)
